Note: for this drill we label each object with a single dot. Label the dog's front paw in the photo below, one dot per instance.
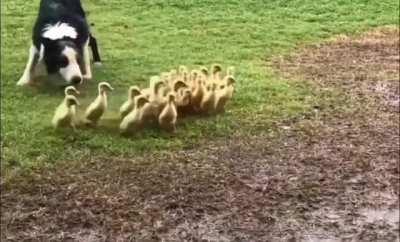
(23, 81)
(98, 64)
(87, 77)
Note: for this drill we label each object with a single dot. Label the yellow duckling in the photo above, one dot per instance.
(71, 90)
(151, 91)
(128, 105)
(216, 70)
(174, 84)
(204, 71)
(207, 104)
(224, 94)
(185, 77)
(182, 69)
(165, 77)
(173, 72)
(182, 93)
(194, 75)
(183, 97)
(157, 92)
(228, 82)
(134, 120)
(168, 116)
(183, 73)
(157, 101)
(65, 115)
(178, 84)
(197, 93)
(97, 108)
(154, 80)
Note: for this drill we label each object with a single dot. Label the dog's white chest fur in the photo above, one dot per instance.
(59, 31)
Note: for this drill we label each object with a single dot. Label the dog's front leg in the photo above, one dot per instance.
(29, 72)
(95, 50)
(86, 62)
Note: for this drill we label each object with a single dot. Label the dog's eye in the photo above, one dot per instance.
(63, 61)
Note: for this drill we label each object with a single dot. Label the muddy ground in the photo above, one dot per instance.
(329, 175)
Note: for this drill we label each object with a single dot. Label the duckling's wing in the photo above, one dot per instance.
(95, 109)
(221, 99)
(62, 116)
(131, 121)
(124, 123)
(229, 92)
(205, 98)
(168, 115)
(95, 114)
(90, 107)
(126, 108)
(57, 115)
(167, 119)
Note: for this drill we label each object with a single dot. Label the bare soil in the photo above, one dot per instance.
(329, 175)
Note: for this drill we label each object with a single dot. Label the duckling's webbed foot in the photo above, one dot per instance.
(171, 128)
(220, 111)
(89, 123)
(73, 126)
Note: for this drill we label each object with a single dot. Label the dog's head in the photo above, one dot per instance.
(62, 56)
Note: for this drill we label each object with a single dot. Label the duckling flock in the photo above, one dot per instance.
(169, 95)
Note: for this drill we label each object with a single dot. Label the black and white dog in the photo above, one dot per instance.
(61, 40)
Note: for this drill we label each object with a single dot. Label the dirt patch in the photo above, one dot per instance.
(363, 67)
(330, 175)
(360, 125)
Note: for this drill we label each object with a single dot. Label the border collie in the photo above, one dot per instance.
(60, 42)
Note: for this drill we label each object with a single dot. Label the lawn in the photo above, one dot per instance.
(139, 39)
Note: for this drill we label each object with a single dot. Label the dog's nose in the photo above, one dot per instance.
(76, 80)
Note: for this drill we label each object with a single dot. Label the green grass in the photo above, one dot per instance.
(144, 37)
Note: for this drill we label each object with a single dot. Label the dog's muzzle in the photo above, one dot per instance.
(72, 73)
(76, 80)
